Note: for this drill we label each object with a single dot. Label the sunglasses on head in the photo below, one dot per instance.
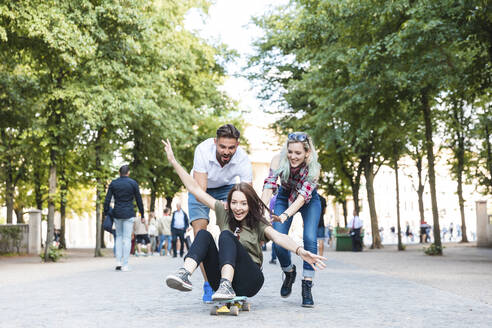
(298, 136)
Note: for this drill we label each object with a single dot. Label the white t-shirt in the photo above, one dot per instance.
(356, 225)
(205, 161)
(179, 222)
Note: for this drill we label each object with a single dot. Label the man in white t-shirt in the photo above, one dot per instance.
(218, 164)
(355, 226)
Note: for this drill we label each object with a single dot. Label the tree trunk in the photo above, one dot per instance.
(51, 206)
(489, 152)
(63, 209)
(398, 222)
(9, 179)
(432, 175)
(97, 251)
(19, 213)
(152, 200)
(420, 190)
(99, 189)
(345, 212)
(355, 186)
(169, 201)
(369, 175)
(103, 243)
(38, 195)
(460, 158)
(9, 197)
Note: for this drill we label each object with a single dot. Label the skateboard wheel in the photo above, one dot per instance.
(213, 310)
(246, 306)
(234, 310)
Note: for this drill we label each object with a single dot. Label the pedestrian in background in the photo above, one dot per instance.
(164, 229)
(153, 235)
(179, 224)
(141, 231)
(125, 191)
(355, 226)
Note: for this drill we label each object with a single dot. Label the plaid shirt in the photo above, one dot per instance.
(297, 184)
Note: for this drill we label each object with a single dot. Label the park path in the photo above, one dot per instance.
(369, 289)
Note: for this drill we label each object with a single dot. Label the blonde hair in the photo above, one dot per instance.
(313, 166)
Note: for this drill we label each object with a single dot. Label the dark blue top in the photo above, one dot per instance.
(125, 190)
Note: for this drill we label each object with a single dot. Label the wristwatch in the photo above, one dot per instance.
(286, 216)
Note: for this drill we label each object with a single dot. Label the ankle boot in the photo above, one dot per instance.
(307, 297)
(290, 278)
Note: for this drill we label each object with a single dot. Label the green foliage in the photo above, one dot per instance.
(85, 83)
(54, 254)
(433, 249)
(358, 75)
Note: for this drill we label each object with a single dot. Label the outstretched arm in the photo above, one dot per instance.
(288, 243)
(190, 184)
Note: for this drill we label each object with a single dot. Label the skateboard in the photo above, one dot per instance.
(232, 306)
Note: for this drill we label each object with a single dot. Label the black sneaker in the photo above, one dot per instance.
(180, 280)
(118, 268)
(290, 278)
(224, 292)
(307, 297)
(273, 262)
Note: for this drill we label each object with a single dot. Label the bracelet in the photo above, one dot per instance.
(286, 215)
(297, 250)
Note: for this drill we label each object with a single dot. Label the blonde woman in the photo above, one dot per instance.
(298, 169)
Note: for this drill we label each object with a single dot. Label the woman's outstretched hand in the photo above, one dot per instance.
(316, 261)
(169, 151)
(279, 218)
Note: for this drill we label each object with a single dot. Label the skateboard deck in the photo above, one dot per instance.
(232, 306)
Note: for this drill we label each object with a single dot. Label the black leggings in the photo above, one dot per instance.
(248, 278)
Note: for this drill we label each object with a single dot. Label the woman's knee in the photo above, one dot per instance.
(203, 234)
(226, 234)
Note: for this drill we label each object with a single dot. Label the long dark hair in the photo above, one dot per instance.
(255, 205)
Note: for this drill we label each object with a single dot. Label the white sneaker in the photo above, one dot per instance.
(125, 268)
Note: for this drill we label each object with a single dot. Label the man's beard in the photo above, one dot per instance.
(221, 159)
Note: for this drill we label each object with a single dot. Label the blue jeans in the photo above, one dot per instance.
(310, 213)
(124, 228)
(162, 239)
(198, 210)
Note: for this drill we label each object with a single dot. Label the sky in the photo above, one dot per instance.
(229, 22)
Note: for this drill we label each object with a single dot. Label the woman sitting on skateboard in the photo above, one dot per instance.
(298, 169)
(236, 267)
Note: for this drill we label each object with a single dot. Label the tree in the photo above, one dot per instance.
(18, 91)
(332, 54)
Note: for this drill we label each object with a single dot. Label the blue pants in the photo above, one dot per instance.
(124, 229)
(310, 213)
(162, 239)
